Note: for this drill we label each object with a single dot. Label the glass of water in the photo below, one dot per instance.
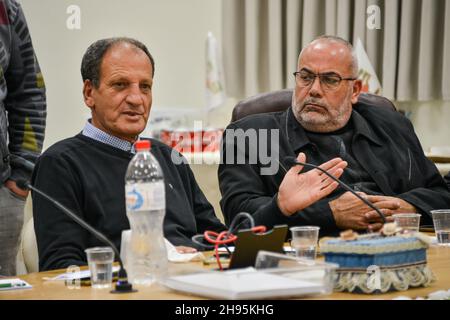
(441, 221)
(304, 241)
(100, 260)
(409, 222)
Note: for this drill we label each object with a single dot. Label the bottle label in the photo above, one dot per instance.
(145, 196)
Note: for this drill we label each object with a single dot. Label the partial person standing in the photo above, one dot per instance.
(22, 125)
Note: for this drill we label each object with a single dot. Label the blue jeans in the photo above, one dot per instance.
(11, 222)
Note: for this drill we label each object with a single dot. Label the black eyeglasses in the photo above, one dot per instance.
(329, 80)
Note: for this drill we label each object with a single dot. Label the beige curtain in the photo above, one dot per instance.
(410, 53)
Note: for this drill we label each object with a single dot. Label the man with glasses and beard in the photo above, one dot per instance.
(385, 161)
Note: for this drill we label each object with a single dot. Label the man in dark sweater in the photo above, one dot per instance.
(385, 160)
(86, 173)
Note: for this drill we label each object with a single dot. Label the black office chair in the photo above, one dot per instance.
(282, 99)
(447, 180)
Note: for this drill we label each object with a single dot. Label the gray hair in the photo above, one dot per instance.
(354, 65)
(93, 57)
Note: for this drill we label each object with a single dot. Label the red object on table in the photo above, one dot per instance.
(188, 141)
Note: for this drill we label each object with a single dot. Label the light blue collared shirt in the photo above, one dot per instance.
(99, 135)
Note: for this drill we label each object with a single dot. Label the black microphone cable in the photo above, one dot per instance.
(292, 161)
(122, 285)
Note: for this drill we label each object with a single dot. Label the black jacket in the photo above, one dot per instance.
(88, 177)
(384, 144)
(447, 180)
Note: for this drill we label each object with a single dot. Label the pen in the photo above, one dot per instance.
(11, 285)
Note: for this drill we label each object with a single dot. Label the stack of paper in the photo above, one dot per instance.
(246, 283)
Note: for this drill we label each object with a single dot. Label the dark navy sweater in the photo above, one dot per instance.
(88, 177)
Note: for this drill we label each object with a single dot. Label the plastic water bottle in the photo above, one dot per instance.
(146, 207)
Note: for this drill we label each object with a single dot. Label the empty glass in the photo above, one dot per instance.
(409, 222)
(304, 241)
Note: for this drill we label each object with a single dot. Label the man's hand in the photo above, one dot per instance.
(298, 191)
(389, 206)
(351, 213)
(11, 185)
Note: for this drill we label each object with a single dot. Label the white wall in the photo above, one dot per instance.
(175, 33)
(173, 30)
(431, 121)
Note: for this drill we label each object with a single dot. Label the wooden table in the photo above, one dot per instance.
(438, 261)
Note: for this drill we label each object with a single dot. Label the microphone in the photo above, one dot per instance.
(122, 285)
(292, 161)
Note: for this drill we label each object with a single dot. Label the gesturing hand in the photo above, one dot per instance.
(298, 191)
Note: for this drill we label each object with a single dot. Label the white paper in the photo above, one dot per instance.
(172, 254)
(76, 275)
(286, 249)
(246, 283)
